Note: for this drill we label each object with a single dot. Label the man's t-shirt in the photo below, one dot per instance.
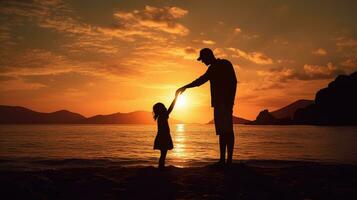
(223, 82)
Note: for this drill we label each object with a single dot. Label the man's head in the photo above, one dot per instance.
(206, 56)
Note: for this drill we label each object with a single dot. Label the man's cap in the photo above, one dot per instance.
(205, 52)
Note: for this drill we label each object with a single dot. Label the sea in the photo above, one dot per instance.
(36, 146)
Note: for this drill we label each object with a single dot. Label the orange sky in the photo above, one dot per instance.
(122, 56)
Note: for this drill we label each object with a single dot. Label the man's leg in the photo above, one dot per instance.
(222, 148)
(230, 146)
(229, 133)
(222, 140)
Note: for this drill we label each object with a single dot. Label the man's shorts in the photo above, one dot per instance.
(223, 119)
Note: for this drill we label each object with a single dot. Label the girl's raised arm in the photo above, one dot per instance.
(172, 104)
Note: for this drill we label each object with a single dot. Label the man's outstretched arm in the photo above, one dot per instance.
(201, 80)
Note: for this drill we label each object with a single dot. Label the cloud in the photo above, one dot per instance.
(44, 12)
(188, 53)
(220, 52)
(285, 61)
(92, 44)
(267, 86)
(237, 30)
(34, 61)
(320, 52)
(346, 42)
(256, 57)
(6, 78)
(190, 50)
(38, 62)
(209, 42)
(18, 84)
(321, 72)
(151, 24)
(61, 81)
(277, 75)
(280, 41)
(54, 15)
(252, 36)
(350, 62)
(151, 19)
(5, 36)
(308, 72)
(115, 54)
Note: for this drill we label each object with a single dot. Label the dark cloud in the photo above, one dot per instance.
(350, 62)
(163, 19)
(308, 72)
(123, 71)
(33, 58)
(6, 78)
(61, 80)
(255, 57)
(190, 50)
(269, 85)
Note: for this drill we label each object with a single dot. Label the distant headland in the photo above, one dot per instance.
(335, 105)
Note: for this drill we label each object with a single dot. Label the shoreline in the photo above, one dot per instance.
(52, 163)
(249, 179)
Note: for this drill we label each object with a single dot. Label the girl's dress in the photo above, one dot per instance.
(163, 139)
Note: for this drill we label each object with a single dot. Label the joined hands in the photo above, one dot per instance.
(180, 91)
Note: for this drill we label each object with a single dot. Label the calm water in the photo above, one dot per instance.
(193, 144)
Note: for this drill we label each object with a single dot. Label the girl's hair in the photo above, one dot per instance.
(158, 109)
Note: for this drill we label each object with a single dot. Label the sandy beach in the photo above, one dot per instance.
(252, 179)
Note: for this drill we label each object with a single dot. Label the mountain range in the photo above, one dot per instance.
(21, 115)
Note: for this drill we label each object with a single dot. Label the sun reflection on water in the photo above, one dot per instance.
(180, 127)
(179, 141)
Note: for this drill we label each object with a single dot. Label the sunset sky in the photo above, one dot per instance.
(102, 57)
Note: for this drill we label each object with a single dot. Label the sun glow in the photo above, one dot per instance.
(181, 101)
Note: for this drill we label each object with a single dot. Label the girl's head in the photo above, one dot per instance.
(158, 109)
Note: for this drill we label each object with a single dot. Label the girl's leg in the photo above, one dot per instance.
(162, 158)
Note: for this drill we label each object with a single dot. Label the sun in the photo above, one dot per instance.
(181, 101)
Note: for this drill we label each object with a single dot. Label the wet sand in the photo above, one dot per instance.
(252, 179)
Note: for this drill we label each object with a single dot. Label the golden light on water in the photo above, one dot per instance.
(179, 141)
(180, 127)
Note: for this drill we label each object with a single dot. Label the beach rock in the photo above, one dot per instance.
(264, 118)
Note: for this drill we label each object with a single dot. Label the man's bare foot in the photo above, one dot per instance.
(161, 167)
(218, 164)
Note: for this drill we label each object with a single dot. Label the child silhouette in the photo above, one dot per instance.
(163, 141)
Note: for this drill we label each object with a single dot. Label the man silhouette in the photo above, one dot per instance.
(223, 83)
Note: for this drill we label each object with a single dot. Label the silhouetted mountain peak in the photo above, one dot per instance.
(287, 112)
(265, 117)
(18, 108)
(62, 111)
